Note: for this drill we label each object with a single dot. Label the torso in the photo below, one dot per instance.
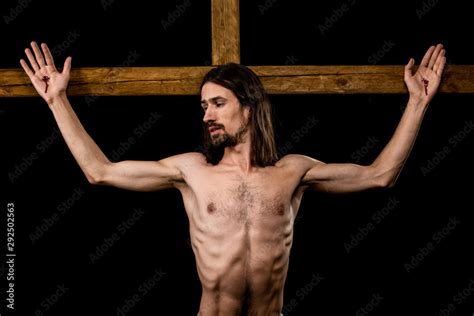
(241, 229)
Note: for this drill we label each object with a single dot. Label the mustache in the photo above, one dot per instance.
(214, 125)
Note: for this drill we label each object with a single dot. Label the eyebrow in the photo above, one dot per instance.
(213, 100)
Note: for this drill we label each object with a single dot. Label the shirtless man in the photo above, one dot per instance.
(241, 200)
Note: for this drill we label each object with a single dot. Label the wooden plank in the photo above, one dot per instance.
(140, 81)
(117, 81)
(225, 31)
(354, 79)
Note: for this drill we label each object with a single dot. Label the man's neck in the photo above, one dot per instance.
(238, 156)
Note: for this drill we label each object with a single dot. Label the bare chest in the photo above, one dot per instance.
(243, 201)
(227, 198)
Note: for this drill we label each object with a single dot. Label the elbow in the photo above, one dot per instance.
(92, 180)
(392, 182)
(387, 183)
(96, 177)
(388, 180)
(384, 179)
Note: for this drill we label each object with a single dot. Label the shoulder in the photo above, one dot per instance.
(186, 160)
(297, 161)
(192, 156)
(184, 166)
(298, 165)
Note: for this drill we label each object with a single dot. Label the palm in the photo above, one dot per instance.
(415, 83)
(425, 82)
(57, 82)
(46, 79)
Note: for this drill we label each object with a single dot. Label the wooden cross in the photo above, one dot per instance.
(140, 81)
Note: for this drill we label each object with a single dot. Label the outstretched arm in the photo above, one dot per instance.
(133, 175)
(384, 171)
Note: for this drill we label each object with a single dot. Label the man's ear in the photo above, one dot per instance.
(250, 111)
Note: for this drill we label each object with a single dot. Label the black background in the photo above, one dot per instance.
(109, 33)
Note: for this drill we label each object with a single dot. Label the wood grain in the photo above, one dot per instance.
(141, 81)
(225, 31)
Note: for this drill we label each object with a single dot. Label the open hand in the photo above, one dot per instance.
(423, 85)
(47, 80)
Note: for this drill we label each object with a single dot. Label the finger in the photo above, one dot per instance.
(48, 56)
(435, 55)
(31, 59)
(442, 63)
(38, 55)
(426, 58)
(67, 65)
(438, 61)
(27, 69)
(409, 68)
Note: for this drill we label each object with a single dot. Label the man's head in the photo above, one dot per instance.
(226, 120)
(237, 109)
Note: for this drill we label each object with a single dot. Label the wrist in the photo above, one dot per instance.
(57, 100)
(417, 104)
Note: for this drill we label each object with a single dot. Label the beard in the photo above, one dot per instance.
(214, 145)
(224, 139)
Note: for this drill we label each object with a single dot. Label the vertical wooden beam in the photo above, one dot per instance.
(225, 31)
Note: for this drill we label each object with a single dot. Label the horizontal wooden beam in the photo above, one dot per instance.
(117, 81)
(354, 79)
(141, 81)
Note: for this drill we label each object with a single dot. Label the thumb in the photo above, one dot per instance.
(67, 65)
(409, 68)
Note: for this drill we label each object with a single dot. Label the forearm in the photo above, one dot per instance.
(86, 152)
(391, 160)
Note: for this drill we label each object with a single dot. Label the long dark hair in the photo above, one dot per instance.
(249, 90)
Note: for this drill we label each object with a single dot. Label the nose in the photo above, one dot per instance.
(209, 115)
